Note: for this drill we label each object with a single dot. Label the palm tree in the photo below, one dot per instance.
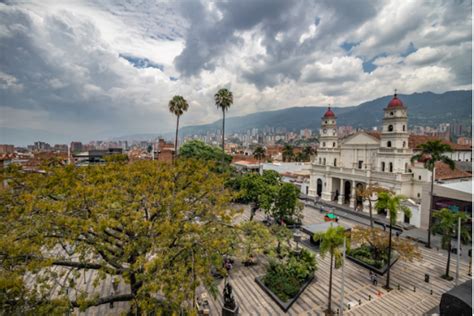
(432, 152)
(177, 105)
(308, 151)
(287, 153)
(393, 204)
(331, 241)
(366, 194)
(223, 99)
(259, 153)
(447, 226)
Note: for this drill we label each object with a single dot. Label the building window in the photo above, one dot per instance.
(418, 195)
(406, 167)
(389, 144)
(325, 122)
(404, 144)
(390, 167)
(334, 145)
(360, 164)
(319, 160)
(391, 113)
(324, 144)
(383, 166)
(419, 178)
(324, 161)
(403, 127)
(390, 128)
(335, 162)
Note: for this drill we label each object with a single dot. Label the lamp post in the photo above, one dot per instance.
(341, 309)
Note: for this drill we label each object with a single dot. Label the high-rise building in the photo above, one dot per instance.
(76, 147)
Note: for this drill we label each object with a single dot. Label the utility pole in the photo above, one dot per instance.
(341, 308)
(458, 253)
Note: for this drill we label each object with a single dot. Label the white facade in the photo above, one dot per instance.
(344, 164)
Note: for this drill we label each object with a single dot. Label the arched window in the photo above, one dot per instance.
(334, 144)
(383, 166)
(324, 144)
(403, 127)
(335, 162)
(390, 128)
(404, 144)
(406, 167)
(320, 160)
(324, 161)
(390, 167)
(389, 144)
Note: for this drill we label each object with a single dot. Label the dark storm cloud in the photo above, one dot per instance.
(281, 24)
(54, 80)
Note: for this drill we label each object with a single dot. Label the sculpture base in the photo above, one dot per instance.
(230, 312)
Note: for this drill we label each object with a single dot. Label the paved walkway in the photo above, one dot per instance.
(358, 288)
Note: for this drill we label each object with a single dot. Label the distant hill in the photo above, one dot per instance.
(426, 109)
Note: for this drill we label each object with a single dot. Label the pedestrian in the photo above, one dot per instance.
(371, 276)
(375, 279)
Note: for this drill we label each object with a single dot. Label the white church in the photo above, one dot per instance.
(342, 165)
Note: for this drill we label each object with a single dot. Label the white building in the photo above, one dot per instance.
(363, 158)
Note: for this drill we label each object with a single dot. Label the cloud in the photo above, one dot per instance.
(93, 69)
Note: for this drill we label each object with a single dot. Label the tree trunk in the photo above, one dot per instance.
(223, 134)
(428, 245)
(449, 260)
(330, 285)
(387, 286)
(370, 214)
(134, 286)
(176, 138)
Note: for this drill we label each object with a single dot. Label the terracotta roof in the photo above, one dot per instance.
(375, 134)
(443, 172)
(244, 159)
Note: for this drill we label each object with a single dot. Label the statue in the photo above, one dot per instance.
(229, 301)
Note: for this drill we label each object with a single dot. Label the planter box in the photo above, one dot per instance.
(285, 306)
(380, 271)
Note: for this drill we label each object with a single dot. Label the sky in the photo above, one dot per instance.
(84, 70)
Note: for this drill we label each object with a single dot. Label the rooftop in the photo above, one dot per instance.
(463, 186)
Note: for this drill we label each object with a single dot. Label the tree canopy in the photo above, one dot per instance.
(199, 150)
(156, 227)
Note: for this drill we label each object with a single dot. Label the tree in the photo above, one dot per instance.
(286, 207)
(366, 195)
(331, 242)
(147, 224)
(259, 190)
(255, 238)
(259, 153)
(307, 153)
(447, 227)
(223, 99)
(393, 204)
(177, 105)
(287, 153)
(377, 241)
(432, 152)
(196, 149)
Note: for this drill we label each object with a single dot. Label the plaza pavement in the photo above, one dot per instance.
(413, 298)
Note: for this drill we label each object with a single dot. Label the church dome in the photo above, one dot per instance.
(395, 102)
(329, 113)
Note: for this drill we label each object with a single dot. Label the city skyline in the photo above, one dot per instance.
(86, 70)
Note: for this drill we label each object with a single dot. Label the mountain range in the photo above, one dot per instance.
(424, 109)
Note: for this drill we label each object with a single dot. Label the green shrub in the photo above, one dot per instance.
(285, 277)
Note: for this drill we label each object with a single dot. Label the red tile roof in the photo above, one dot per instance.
(443, 172)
